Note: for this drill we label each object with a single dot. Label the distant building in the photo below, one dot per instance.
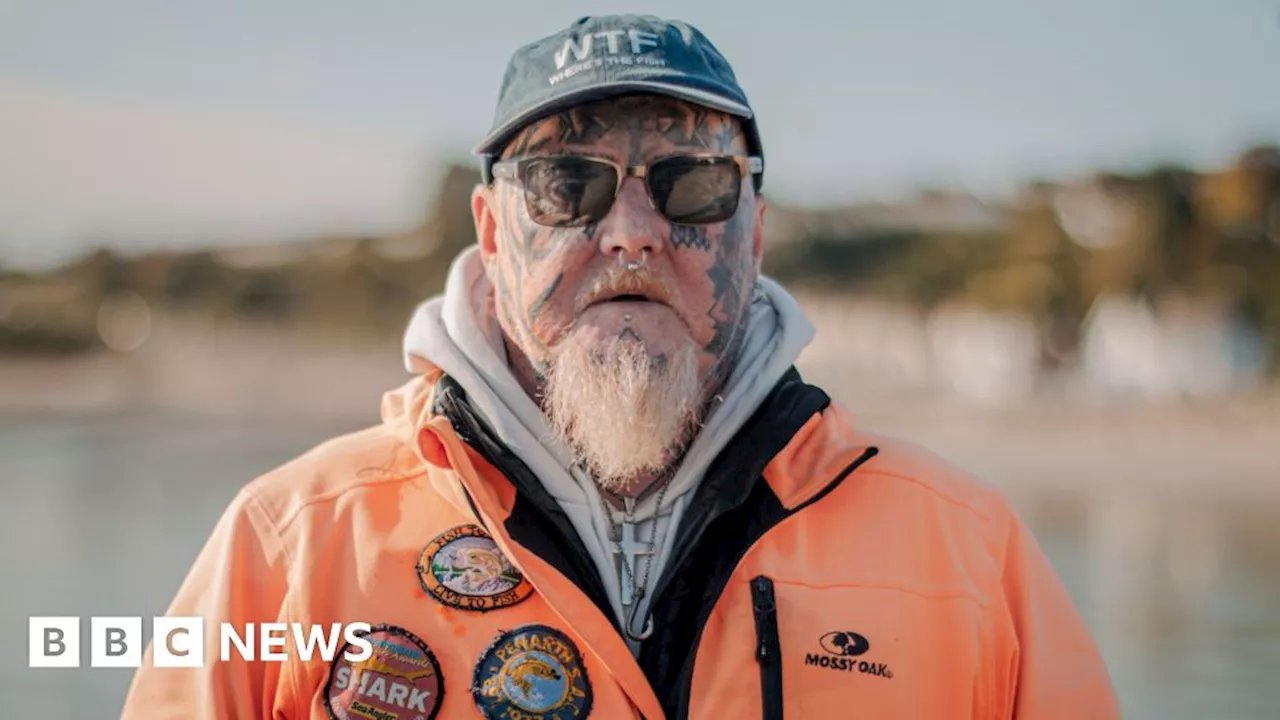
(1243, 201)
(1097, 213)
(986, 357)
(1181, 348)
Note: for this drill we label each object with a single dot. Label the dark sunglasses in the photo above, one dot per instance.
(576, 190)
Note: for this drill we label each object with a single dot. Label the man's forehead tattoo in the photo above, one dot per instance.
(677, 122)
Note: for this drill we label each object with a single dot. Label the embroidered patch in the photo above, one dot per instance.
(463, 568)
(533, 671)
(399, 679)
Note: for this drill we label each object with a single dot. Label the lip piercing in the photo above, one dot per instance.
(626, 317)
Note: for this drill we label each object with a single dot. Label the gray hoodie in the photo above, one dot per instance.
(458, 332)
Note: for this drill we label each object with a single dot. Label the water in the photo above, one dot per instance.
(104, 516)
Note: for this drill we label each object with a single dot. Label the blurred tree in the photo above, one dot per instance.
(1237, 201)
(904, 265)
(366, 288)
(43, 340)
(101, 273)
(195, 279)
(1039, 272)
(265, 294)
(1175, 251)
(450, 226)
(845, 263)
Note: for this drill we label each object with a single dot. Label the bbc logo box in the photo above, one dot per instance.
(115, 642)
(180, 642)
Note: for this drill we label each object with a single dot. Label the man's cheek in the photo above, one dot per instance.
(694, 285)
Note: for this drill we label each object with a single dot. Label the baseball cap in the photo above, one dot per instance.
(600, 57)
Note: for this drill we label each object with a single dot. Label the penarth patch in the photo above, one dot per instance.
(400, 679)
(533, 671)
(464, 568)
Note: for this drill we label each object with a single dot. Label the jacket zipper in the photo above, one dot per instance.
(768, 648)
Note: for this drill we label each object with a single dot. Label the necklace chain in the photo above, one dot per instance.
(638, 589)
(616, 535)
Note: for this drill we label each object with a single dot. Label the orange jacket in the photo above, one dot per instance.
(823, 572)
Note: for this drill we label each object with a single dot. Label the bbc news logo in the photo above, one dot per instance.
(179, 642)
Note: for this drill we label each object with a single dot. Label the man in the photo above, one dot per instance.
(607, 491)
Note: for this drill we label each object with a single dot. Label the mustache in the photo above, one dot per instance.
(616, 283)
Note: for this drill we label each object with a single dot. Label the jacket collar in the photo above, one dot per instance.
(799, 434)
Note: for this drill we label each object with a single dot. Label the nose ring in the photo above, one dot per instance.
(634, 265)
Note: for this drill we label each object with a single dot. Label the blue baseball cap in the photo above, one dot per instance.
(600, 57)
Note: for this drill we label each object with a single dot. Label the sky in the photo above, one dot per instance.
(173, 124)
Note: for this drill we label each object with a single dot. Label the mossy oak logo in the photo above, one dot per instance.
(842, 651)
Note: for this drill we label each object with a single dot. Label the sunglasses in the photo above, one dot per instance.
(577, 190)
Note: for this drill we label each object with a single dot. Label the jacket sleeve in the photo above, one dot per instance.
(1057, 669)
(239, 577)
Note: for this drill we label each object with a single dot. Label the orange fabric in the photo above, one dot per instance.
(962, 613)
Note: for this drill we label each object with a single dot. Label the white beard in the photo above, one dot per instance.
(621, 413)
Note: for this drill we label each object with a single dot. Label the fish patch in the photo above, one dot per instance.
(533, 671)
(464, 568)
(400, 679)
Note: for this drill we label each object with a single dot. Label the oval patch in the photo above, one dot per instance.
(400, 679)
(533, 671)
(465, 569)
(844, 644)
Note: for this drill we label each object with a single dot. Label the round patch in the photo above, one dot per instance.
(463, 568)
(533, 671)
(400, 679)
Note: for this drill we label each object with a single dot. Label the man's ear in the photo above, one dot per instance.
(757, 234)
(483, 207)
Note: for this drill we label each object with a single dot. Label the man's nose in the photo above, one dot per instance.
(633, 227)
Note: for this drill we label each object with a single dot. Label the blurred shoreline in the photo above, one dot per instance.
(1055, 439)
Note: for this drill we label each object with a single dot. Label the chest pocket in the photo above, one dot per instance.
(859, 651)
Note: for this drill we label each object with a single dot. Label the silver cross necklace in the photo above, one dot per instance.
(631, 550)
